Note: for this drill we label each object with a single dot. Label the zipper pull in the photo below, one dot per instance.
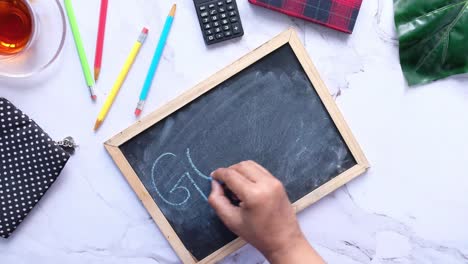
(68, 144)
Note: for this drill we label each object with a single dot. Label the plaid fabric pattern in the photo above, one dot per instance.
(337, 14)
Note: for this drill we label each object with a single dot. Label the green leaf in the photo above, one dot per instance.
(433, 38)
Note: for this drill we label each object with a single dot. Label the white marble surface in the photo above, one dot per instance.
(411, 207)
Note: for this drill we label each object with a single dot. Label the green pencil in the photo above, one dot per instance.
(80, 48)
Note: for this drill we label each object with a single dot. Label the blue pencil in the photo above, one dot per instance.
(155, 61)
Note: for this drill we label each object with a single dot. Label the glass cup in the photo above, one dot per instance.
(46, 39)
(17, 27)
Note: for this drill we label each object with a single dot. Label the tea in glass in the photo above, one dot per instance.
(16, 26)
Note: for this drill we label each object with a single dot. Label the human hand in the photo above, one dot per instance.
(265, 218)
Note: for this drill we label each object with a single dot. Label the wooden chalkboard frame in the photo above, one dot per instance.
(289, 37)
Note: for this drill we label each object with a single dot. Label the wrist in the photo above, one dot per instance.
(288, 252)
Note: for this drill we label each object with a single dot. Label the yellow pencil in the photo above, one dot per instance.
(121, 78)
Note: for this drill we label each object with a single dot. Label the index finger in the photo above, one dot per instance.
(251, 170)
(235, 181)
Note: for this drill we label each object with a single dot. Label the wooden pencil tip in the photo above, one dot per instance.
(97, 71)
(97, 124)
(173, 9)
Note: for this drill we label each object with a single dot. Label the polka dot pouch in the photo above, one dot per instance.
(30, 162)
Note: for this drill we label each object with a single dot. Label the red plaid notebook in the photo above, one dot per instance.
(337, 14)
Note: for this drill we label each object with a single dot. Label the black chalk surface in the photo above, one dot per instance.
(269, 113)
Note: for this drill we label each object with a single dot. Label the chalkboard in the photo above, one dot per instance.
(269, 112)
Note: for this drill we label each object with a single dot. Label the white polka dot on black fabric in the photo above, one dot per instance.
(29, 165)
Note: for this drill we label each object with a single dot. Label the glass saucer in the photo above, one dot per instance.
(46, 45)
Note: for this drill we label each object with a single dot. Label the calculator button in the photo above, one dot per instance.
(236, 29)
(219, 20)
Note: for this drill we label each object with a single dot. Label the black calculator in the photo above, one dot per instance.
(219, 20)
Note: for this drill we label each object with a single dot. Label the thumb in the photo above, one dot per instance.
(228, 213)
